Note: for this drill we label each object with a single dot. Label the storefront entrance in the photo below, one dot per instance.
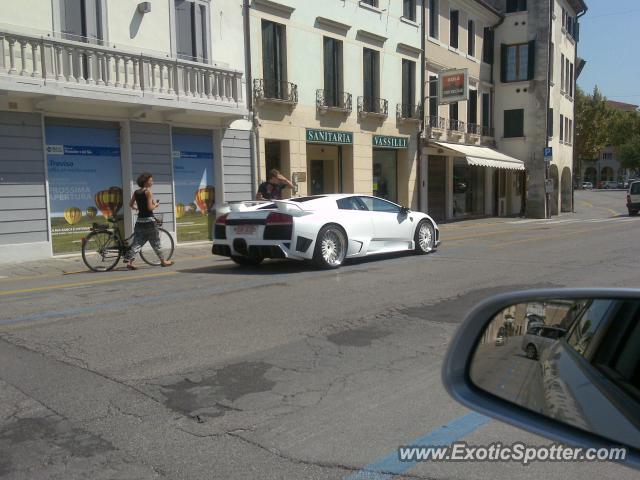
(385, 174)
(468, 189)
(436, 187)
(324, 164)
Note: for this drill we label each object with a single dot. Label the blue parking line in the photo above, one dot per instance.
(389, 465)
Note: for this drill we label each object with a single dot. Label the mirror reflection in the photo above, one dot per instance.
(575, 360)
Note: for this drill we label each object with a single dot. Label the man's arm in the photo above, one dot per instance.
(285, 181)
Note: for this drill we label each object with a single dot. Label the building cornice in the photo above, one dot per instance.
(273, 7)
(372, 37)
(333, 24)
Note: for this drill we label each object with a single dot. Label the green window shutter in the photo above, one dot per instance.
(532, 60)
(503, 63)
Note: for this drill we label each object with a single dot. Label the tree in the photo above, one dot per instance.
(629, 153)
(593, 124)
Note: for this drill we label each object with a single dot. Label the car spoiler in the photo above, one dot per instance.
(283, 206)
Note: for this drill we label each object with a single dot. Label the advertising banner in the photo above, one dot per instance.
(194, 186)
(85, 182)
(453, 86)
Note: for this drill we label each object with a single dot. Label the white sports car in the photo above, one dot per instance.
(324, 228)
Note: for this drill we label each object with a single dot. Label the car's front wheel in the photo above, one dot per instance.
(331, 247)
(424, 238)
(532, 352)
(247, 261)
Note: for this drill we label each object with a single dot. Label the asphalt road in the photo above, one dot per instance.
(208, 370)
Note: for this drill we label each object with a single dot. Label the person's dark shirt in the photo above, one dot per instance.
(271, 191)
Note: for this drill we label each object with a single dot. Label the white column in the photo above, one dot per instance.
(12, 55)
(23, 57)
(35, 48)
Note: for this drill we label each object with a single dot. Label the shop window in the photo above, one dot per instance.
(468, 189)
(385, 174)
(191, 30)
(514, 123)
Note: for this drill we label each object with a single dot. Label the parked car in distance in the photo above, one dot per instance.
(500, 341)
(539, 338)
(633, 198)
(610, 184)
(587, 185)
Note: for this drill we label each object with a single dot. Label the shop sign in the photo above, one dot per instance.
(383, 141)
(329, 136)
(453, 86)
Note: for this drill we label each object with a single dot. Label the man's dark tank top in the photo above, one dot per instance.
(143, 207)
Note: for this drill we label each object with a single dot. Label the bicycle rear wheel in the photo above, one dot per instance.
(167, 246)
(100, 251)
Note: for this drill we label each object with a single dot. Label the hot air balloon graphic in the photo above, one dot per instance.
(109, 201)
(205, 198)
(92, 212)
(72, 215)
(179, 210)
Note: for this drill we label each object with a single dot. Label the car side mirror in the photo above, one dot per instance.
(579, 386)
(404, 210)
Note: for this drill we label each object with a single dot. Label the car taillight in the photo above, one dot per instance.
(276, 218)
(222, 219)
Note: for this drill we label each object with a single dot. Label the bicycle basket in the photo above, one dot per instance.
(159, 219)
(100, 227)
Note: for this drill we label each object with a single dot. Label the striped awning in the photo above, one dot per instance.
(482, 156)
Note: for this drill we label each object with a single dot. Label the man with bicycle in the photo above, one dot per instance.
(146, 229)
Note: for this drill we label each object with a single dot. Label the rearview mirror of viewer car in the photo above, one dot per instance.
(564, 364)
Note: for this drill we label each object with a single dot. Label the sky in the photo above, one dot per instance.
(610, 44)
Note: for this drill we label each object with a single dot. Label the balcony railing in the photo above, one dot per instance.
(408, 112)
(456, 126)
(436, 123)
(474, 129)
(342, 102)
(275, 92)
(375, 107)
(48, 61)
(486, 131)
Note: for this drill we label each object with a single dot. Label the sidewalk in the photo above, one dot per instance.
(73, 264)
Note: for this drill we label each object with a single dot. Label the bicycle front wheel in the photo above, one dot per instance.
(167, 246)
(100, 251)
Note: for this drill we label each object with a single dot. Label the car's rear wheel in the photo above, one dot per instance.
(532, 352)
(246, 261)
(424, 238)
(331, 247)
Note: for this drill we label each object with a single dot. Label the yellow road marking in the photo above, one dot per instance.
(536, 239)
(82, 284)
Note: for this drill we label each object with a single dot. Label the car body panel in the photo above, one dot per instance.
(633, 196)
(541, 337)
(368, 232)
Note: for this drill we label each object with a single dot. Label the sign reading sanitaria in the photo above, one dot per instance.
(383, 141)
(329, 136)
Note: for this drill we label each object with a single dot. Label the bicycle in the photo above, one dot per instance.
(104, 246)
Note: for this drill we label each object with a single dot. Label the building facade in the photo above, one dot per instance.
(534, 98)
(463, 174)
(336, 91)
(94, 92)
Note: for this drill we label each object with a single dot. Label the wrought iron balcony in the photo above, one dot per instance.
(373, 107)
(341, 102)
(58, 66)
(275, 92)
(474, 129)
(456, 126)
(408, 112)
(486, 131)
(436, 123)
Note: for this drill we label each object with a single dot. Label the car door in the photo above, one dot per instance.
(548, 337)
(354, 217)
(393, 230)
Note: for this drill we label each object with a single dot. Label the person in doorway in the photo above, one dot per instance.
(272, 188)
(146, 229)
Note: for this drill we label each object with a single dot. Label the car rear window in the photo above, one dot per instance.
(635, 188)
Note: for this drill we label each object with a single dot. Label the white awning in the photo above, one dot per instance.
(483, 156)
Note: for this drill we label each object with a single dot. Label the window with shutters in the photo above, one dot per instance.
(486, 110)
(434, 18)
(409, 9)
(566, 75)
(408, 85)
(516, 6)
(487, 45)
(561, 128)
(192, 37)
(454, 24)
(433, 96)
(517, 63)
(562, 73)
(551, 62)
(570, 131)
(371, 76)
(333, 76)
(471, 38)
(472, 107)
(81, 20)
(550, 123)
(514, 123)
(373, 3)
(571, 80)
(274, 59)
